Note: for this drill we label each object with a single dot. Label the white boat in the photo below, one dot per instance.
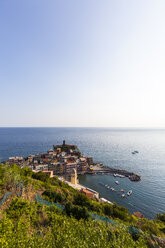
(121, 176)
(129, 192)
(123, 195)
(118, 175)
(117, 182)
(122, 190)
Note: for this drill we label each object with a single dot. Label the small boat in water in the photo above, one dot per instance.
(113, 189)
(129, 192)
(122, 176)
(101, 183)
(117, 182)
(122, 190)
(135, 152)
(123, 195)
(119, 175)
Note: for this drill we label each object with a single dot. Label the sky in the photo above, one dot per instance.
(82, 63)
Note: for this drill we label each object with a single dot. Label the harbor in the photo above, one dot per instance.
(115, 192)
(74, 183)
(100, 169)
(120, 192)
(112, 148)
(69, 164)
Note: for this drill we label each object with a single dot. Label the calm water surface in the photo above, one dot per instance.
(113, 148)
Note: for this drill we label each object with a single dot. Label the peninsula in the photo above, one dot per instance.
(63, 159)
(40, 209)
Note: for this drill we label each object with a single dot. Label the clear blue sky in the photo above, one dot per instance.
(82, 63)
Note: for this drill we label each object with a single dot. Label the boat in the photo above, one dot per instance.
(121, 176)
(135, 152)
(122, 190)
(129, 192)
(112, 189)
(118, 175)
(117, 182)
(123, 195)
(101, 183)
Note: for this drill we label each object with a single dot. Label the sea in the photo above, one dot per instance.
(111, 146)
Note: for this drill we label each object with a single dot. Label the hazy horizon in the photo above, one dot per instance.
(99, 127)
(97, 63)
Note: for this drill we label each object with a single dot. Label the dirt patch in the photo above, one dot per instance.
(29, 193)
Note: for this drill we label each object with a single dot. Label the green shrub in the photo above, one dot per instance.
(161, 217)
(108, 209)
(27, 172)
(54, 196)
(81, 200)
(76, 211)
(17, 208)
(41, 176)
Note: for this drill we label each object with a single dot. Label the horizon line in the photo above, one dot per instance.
(118, 127)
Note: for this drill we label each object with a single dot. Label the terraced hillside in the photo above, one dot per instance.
(38, 211)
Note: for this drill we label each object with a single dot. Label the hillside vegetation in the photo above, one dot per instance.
(38, 211)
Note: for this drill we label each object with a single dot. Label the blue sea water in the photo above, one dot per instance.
(112, 147)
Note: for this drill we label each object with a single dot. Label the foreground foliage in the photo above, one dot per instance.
(26, 223)
(46, 227)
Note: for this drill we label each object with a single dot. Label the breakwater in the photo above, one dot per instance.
(105, 170)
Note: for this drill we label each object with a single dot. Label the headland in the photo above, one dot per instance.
(64, 158)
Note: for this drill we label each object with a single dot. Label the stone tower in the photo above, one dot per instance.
(74, 177)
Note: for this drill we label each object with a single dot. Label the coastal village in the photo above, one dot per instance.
(60, 161)
(67, 162)
(64, 161)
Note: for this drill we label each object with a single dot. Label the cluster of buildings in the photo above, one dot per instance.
(61, 160)
(65, 161)
(16, 160)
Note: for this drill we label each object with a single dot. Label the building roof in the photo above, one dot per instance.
(15, 158)
(138, 214)
(87, 192)
(45, 159)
